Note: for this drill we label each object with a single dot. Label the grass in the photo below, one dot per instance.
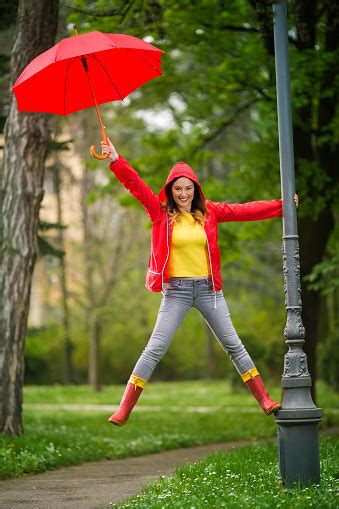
(245, 477)
(217, 393)
(56, 437)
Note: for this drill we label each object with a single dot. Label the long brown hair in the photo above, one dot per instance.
(198, 206)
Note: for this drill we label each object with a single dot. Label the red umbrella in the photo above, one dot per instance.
(84, 71)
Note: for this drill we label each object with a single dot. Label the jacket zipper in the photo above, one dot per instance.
(154, 260)
(167, 256)
(210, 260)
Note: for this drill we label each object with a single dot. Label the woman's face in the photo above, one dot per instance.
(183, 194)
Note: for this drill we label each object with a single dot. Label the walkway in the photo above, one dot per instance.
(95, 485)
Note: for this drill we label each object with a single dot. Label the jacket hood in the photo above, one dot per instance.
(180, 170)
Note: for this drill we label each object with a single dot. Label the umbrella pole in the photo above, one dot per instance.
(102, 127)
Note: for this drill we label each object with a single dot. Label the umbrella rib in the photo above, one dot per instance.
(144, 60)
(108, 76)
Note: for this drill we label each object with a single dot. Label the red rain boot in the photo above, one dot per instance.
(257, 388)
(129, 399)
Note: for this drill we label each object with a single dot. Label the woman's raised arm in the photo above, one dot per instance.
(251, 211)
(132, 181)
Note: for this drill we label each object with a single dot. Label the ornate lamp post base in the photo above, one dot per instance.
(298, 452)
(298, 417)
(298, 434)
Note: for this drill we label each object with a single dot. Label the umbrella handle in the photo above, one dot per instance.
(104, 139)
(97, 156)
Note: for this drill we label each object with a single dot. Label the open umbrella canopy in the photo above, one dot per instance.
(115, 64)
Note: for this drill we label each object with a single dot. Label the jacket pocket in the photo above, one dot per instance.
(153, 280)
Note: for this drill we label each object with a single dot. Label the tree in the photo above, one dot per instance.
(26, 144)
(68, 345)
(46, 248)
(314, 52)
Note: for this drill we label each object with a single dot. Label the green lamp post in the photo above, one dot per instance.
(298, 417)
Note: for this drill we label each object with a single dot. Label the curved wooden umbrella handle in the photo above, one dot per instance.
(102, 128)
(104, 138)
(97, 156)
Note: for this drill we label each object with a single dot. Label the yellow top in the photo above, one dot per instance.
(188, 252)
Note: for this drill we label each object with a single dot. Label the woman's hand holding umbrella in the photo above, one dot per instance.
(108, 148)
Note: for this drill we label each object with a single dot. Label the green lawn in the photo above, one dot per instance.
(56, 437)
(62, 438)
(246, 478)
(192, 393)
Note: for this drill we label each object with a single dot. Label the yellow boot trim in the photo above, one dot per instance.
(251, 373)
(137, 381)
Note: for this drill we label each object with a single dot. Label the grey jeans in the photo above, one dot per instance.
(180, 296)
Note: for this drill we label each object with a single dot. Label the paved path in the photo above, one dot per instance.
(95, 485)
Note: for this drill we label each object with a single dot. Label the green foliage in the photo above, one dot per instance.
(329, 359)
(246, 477)
(46, 248)
(4, 64)
(325, 276)
(8, 12)
(43, 356)
(45, 226)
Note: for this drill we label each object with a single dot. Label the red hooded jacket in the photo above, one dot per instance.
(161, 226)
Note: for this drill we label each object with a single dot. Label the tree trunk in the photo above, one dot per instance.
(68, 345)
(316, 228)
(91, 320)
(94, 354)
(26, 143)
(313, 242)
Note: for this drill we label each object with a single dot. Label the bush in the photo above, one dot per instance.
(329, 360)
(44, 356)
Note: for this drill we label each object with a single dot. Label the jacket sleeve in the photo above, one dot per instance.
(137, 187)
(251, 211)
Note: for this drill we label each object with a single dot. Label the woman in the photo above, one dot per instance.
(184, 265)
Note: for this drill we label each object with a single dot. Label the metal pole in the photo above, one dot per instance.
(298, 417)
